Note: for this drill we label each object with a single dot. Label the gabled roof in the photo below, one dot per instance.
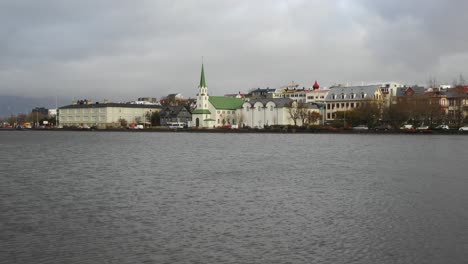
(368, 90)
(227, 103)
(173, 110)
(403, 91)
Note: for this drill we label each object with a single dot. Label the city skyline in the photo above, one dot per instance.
(121, 50)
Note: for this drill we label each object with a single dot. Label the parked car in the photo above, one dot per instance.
(407, 127)
(442, 127)
(422, 128)
(463, 128)
(361, 127)
(383, 128)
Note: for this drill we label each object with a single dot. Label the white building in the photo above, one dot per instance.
(105, 114)
(311, 95)
(214, 111)
(340, 99)
(269, 112)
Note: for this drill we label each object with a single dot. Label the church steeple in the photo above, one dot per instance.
(202, 78)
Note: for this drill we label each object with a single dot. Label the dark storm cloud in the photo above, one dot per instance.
(125, 49)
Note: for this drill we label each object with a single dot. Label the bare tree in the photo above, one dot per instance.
(122, 122)
(240, 118)
(302, 112)
(313, 117)
(293, 112)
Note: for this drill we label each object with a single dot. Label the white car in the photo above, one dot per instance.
(361, 127)
(463, 128)
(443, 127)
(422, 128)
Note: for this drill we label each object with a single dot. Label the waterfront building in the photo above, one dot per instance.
(453, 102)
(179, 113)
(214, 111)
(41, 111)
(261, 93)
(342, 99)
(262, 112)
(102, 115)
(311, 95)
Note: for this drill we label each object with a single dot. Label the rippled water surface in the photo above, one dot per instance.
(94, 197)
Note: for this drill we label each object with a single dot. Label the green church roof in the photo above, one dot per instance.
(202, 78)
(226, 103)
(201, 111)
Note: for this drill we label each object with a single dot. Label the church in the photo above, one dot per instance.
(214, 111)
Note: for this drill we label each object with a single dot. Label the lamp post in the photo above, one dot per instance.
(322, 111)
(344, 119)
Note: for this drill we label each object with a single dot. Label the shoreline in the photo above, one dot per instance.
(252, 131)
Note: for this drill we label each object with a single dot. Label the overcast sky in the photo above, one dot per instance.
(126, 49)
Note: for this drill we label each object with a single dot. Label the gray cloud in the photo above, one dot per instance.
(125, 49)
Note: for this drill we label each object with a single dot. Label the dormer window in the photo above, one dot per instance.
(363, 95)
(343, 96)
(334, 96)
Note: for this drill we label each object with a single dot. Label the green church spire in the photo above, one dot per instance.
(202, 78)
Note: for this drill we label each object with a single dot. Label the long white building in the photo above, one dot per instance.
(104, 115)
(263, 112)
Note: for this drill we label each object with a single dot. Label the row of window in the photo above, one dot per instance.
(84, 118)
(352, 96)
(294, 95)
(342, 105)
(259, 108)
(228, 121)
(226, 112)
(315, 97)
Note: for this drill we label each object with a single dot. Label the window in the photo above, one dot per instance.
(218, 121)
(343, 96)
(247, 108)
(352, 105)
(271, 108)
(334, 96)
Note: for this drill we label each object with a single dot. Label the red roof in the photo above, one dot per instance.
(316, 85)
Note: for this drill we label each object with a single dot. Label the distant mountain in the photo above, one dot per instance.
(21, 104)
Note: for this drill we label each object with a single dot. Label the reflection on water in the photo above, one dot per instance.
(85, 197)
